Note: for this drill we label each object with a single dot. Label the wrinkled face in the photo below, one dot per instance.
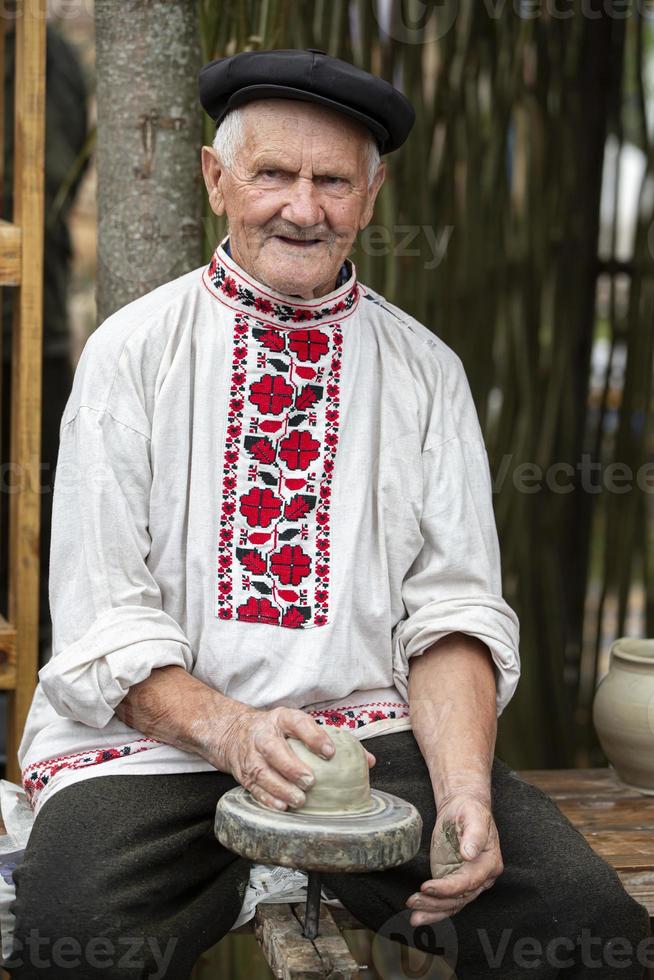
(297, 194)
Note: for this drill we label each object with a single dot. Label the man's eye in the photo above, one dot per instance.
(331, 180)
(270, 172)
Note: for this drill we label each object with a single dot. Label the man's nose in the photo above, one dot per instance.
(303, 207)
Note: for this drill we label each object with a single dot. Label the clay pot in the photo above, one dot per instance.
(623, 712)
(342, 783)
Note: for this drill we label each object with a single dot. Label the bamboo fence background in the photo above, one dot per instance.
(488, 231)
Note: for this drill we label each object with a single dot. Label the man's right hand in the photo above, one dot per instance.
(261, 759)
(249, 743)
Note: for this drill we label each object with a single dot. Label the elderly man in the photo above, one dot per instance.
(273, 516)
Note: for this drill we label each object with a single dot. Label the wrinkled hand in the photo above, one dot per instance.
(470, 818)
(260, 758)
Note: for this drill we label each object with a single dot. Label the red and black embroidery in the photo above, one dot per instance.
(230, 285)
(280, 447)
(36, 777)
(357, 716)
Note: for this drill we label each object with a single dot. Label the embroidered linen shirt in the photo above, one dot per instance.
(287, 498)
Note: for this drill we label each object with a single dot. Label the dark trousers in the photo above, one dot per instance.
(123, 876)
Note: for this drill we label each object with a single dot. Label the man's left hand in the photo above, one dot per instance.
(479, 846)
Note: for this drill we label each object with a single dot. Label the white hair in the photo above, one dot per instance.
(230, 137)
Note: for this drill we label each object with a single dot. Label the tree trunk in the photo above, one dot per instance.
(148, 150)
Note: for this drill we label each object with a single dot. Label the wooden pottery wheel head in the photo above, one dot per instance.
(342, 826)
(342, 785)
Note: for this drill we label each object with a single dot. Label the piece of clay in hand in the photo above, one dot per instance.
(445, 855)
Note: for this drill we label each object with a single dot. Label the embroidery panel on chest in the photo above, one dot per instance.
(280, 448)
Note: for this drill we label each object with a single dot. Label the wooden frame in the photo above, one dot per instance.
(21, 267)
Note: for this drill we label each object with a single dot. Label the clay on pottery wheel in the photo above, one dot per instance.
(342, 785)
(343, 826)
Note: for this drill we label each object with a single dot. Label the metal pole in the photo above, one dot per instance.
(312, 908)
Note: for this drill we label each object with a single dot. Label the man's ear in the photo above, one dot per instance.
(373, 191)
(213, 173)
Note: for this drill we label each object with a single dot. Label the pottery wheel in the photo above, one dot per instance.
(386, 835)
(343, 824)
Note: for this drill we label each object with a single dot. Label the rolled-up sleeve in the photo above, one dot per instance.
(109, 628)
(454, 584)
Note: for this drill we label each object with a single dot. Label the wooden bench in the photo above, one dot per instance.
(617, 822)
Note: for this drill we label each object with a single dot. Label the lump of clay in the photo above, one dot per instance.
(342, 785)
(445, 855)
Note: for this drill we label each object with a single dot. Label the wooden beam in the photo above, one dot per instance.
(291, 956)
(7, 655)
(10, 253)
(332, 949)
(25, 448)
(288, 954)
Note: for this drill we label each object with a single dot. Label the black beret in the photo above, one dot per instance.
(311, 76)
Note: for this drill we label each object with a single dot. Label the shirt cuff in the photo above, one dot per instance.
(87, 679)
(487, 617)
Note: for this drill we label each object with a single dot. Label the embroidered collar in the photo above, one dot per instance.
(341, 278)
(235, 288)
